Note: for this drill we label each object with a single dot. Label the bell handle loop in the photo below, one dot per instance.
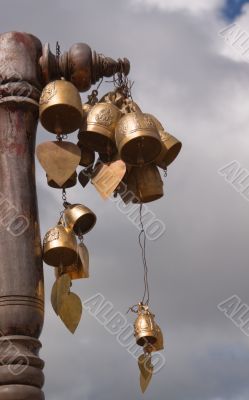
(66, 204)
(134, 309)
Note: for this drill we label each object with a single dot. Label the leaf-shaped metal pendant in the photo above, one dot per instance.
(70, 311)
(60, 288)
(58, 159)
(108, 178)
(146, 370)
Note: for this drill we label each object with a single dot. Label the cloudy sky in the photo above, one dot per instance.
(197, 84)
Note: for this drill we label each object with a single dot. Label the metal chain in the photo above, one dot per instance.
(64, 195)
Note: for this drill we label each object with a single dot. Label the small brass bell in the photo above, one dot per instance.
(171, 146)
(79, 218)
(145, 327)
(59, 246)
(159, 344)
(84, 177)
(80, 268)
(149, 184)
(99, 134)
(60, 107)
(137, 139)
(69, 183)
(171, 149)
(128, 189)
(87, 156)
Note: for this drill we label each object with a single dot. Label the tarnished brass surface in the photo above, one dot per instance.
(137, 139)
(60, 107)
(79, 218)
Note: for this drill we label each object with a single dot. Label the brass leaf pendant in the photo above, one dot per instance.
(109, 177)
(146, 370)
(67, 305)
(71, 311)
(58, 159)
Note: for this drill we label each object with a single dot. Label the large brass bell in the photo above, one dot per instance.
(60, 107)
(99, 134)
(149, 184)
(59, 246)
(145, 327)
(171, 146)
(68, 184)
(79, 218)
(137, 138)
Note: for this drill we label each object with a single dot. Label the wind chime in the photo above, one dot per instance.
(131, 147)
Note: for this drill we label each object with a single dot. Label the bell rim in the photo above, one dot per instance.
(98, 142)
(126, 149)
(68, 255)
(169, 155)
(75, 118)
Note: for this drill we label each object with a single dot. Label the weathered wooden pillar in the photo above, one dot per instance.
(21, 275)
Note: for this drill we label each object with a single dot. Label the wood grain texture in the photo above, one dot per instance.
(21, 284)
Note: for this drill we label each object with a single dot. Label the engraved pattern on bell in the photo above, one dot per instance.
(145, 327)
(105, 117)
(51, 235)
(48, 93)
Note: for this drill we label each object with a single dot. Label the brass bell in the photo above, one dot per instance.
(69, 183)
(171, 149)
(87, 156)
(171, 146)
(145, 327)
(79, 218)
(59, 246)
(128, 188)
(149, 184)
(137, 138)
(79, 269)
(84, 177)
(99, 134)
(159, 344)
(60, 107)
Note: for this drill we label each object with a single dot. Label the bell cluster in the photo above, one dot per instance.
(116, 129)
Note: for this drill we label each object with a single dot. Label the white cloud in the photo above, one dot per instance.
(193, 6)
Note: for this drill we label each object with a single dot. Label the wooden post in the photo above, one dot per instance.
(21, 275)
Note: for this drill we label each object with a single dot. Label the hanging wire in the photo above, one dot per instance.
(142, 243)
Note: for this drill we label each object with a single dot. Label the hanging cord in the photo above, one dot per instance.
(142, 243)
(58, 54)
